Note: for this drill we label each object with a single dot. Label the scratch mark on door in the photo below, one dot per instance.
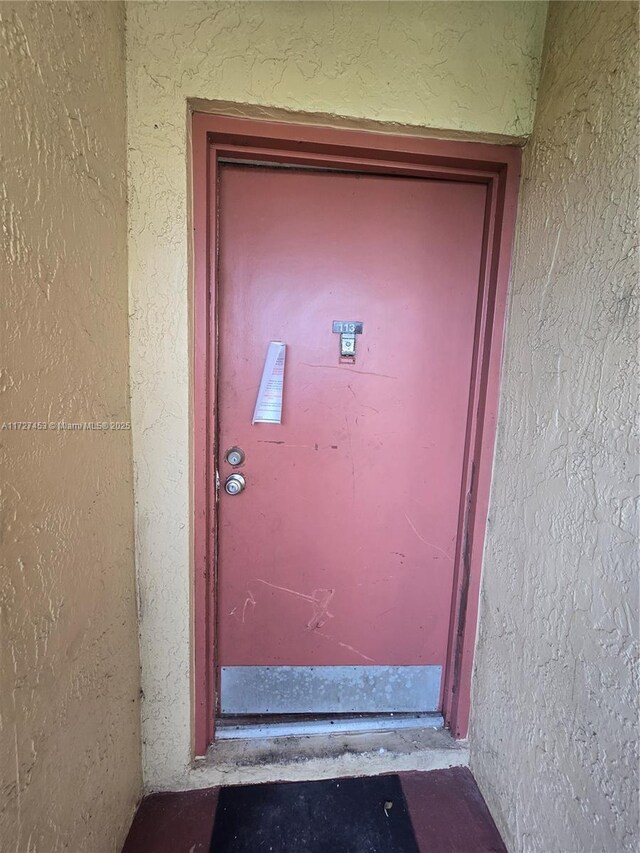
(346, 646)
(249, 600)
(350, 369)
(422, 539)
(363, 405)
(285, 444)
(319, 600)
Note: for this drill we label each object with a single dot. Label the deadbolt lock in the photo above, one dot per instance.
(235, 456)
(234, 484)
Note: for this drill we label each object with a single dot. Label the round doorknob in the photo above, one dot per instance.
(234, 484)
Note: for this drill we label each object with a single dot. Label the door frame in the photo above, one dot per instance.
(216, 137)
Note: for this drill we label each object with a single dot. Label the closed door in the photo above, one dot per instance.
(336, 553)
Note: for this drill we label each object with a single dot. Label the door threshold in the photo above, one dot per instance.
(249, 761)
(232, 728)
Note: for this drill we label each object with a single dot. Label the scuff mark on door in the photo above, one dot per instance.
(319, 600)
(346, 646)
(422, 539)
(249, 600)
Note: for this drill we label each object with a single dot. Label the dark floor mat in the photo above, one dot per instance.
(365, 815)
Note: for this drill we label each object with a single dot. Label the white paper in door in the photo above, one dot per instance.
(268, 408)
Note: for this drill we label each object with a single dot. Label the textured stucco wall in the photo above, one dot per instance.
(458, 66)
(554, 720)
(70, 769)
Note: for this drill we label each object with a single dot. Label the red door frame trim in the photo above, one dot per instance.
(216, 137)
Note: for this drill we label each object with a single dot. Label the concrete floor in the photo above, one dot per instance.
(250, 761)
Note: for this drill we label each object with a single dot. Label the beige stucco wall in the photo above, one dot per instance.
(69, 665)
(469, 67)
(554, 728)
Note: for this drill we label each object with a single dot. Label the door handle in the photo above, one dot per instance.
(234, 484)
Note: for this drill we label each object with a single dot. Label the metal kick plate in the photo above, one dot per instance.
(329, 689)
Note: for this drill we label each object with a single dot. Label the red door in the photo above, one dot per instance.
(335, 561)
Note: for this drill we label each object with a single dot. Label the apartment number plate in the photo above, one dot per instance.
(347, 327)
